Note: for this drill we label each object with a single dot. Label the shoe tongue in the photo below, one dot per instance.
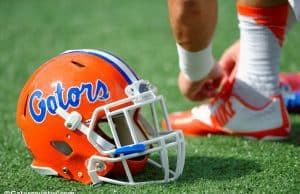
(226, 90)
(227, 87)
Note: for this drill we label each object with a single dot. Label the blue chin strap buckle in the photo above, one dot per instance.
(130, 149)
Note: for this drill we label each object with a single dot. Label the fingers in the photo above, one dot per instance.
(202, 89)
(230, 58)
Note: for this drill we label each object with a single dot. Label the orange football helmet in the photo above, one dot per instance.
(82, 116)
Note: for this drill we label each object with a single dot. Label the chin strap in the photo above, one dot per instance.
(73, 122)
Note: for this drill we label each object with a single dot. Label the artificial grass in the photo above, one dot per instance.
(137, 31)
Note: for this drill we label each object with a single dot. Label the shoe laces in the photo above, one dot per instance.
(224, 93)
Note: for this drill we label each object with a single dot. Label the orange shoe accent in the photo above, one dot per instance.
(223, 114)
(275, 18)
(190, 126)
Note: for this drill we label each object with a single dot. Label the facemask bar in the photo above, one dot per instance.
(121, 153)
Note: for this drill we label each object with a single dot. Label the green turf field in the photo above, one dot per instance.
(138, 31)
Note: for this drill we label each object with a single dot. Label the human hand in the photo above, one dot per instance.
(229, 59)
(204, 88)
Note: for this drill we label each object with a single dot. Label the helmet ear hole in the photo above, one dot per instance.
(62, 147)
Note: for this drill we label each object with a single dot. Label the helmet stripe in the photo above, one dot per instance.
(116, 62)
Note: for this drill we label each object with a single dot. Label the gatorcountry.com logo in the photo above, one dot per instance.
(40, 105)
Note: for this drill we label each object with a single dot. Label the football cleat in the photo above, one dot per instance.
(289, 85)
(228, 114)
(86, 116)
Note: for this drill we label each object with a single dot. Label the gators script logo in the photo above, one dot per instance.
(40, 105)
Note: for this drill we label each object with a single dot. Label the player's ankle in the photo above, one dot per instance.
(255, 96)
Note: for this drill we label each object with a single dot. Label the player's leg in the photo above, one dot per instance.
(193, 24)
